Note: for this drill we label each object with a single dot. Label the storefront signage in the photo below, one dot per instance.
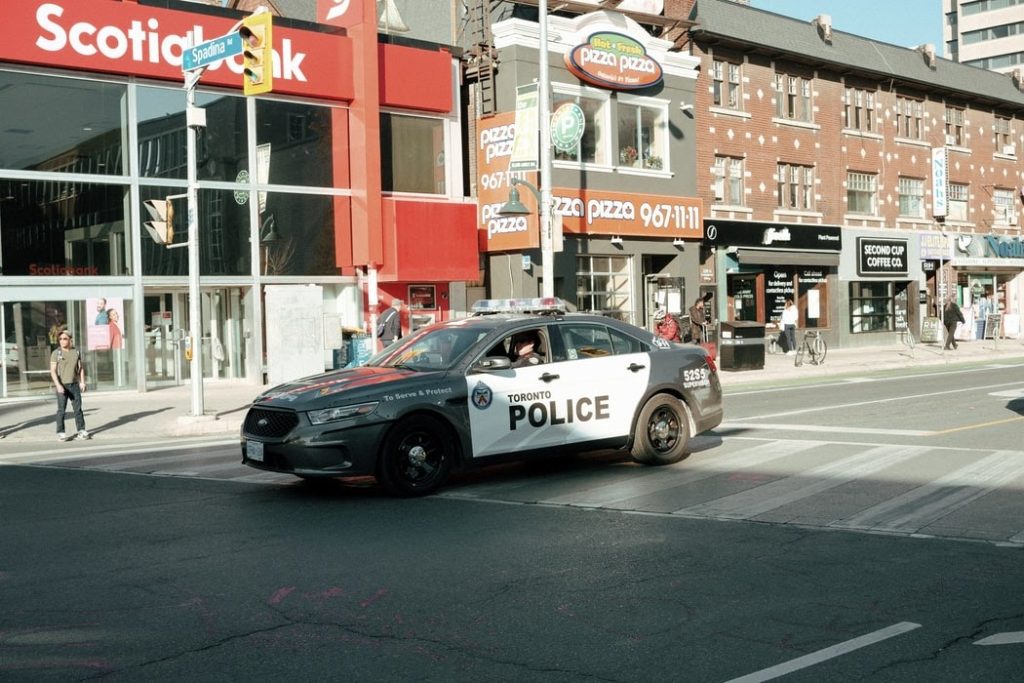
(567, 126)
(778, 287)
(495, 137)
(135, 39)
(614, 61)
(603, 212)
(791, 236)
(933, 247)
(881, 256)
(989, 246)
(939, 181)
(526, 140)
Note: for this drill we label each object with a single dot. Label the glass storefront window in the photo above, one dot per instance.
(412, 154)
(223, 234)
(60, 227)
(602, 286)
(871, 307)
(99, 328)
(295, 143)
(641, 132)
(592, 148)
(221, 151)
(58, 124)
(297, 234)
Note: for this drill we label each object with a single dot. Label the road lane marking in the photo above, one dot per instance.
(102, 450)
(924, 505)
(1007, 638)
(976, 426)
(840, 406)
(822, 428)
(809, 482)
(827, 653)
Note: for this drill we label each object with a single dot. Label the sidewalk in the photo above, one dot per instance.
(164, 413)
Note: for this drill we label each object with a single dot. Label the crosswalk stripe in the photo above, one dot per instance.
(772, 495)
(652, 480)
(925, 504)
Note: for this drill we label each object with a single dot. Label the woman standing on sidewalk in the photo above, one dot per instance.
(790, 317)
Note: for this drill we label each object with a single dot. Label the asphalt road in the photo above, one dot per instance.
(870, 529)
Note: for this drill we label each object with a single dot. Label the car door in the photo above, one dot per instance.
(585, 390)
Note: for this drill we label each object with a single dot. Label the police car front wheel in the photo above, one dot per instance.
(662, 432)
(416, 457)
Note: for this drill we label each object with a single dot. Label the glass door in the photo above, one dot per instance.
(166, 315)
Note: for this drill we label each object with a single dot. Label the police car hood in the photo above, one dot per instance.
(350, 384)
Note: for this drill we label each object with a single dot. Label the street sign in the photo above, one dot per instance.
(211, 51)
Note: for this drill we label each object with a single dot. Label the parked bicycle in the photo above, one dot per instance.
(813, 346)
(907, 339)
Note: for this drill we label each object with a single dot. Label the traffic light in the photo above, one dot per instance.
(257, 54)
(161, 227)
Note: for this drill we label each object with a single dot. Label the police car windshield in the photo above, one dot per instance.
(435, 348)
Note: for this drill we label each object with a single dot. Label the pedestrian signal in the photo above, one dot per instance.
(161, 225)
(257, 54)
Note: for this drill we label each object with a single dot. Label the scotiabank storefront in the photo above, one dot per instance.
(312, 200)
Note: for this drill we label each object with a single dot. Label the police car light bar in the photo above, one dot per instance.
(534, 305)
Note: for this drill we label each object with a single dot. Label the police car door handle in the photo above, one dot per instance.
(547, 377)
(636, 367)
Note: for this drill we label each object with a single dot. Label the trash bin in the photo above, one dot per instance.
(741, 345)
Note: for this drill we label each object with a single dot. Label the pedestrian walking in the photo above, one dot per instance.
(951, 315)
(697, 322)
(389, 325)
(789, 320)
(68, 374)
(666, 326)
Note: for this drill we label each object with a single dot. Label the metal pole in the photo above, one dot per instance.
(544, 102)
(195, 323)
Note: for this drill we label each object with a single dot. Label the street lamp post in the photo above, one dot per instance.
(514, 207)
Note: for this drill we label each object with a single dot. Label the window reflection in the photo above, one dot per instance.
(412, 154)
(60, 124)
(294, 143)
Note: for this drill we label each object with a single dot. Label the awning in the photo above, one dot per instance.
(779, 257)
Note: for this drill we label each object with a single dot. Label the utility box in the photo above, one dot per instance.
(741, 345)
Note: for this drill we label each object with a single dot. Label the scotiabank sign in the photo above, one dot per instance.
(128, 38)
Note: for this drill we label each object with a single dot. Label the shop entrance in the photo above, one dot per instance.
(224, 344)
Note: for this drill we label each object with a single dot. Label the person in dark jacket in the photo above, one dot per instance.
(951, 315)
(389, 324)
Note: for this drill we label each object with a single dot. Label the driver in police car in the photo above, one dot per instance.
(525, 346)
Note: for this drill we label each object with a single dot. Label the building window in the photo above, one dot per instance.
(911, 191)
(593, 147)
(861, 193)
(412, 154)
(872, 307)
(992, 33)
(997, 62)
(642, 134)
(957, 201)
(909, 114)
(860, 110)
(955, 126)
(294, 143)
(1004, 205)
(796, 187)
(603, 286)
(969, 8)
(728, 173)
(1002, 136)
(792, 97)
(725, 78)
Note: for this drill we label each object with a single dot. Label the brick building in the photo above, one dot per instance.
(862, 178)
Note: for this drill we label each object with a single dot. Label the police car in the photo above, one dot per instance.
(455, 394)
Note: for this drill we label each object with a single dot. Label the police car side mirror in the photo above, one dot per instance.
(491, 363)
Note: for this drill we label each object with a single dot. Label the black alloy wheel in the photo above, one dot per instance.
(416, 457)
(662, 432)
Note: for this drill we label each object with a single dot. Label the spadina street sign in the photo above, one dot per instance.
(211, 51)
(614, 61)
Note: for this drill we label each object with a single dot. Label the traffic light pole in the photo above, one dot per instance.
(195, 321)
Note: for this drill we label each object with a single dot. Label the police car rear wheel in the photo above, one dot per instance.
(416, 457)
(662, 432)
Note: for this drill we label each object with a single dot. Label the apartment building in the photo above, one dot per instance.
(985, 33)
(868, 181)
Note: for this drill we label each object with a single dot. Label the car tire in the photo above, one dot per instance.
(416, 457)
(662, 432)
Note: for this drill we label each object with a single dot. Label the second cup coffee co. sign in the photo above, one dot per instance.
(614, 61)
(881, 256)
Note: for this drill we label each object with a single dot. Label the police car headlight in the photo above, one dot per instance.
(319, 417)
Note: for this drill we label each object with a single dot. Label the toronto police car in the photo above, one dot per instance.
(519, 378)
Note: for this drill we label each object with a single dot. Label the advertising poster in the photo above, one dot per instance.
(104, 324)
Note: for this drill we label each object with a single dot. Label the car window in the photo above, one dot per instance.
(506, 347)
(585, 341)
(623, 343)
(436, 349)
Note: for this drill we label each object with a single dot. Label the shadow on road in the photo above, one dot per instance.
(126, 419)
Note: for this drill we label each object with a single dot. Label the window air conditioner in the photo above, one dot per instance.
(1010, 150)
(950, 139)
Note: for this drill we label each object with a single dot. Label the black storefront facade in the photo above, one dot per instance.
(759, 264)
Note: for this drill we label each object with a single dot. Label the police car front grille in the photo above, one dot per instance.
(261, 422)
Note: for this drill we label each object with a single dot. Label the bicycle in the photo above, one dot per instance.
(814, 346)
(907, 338)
